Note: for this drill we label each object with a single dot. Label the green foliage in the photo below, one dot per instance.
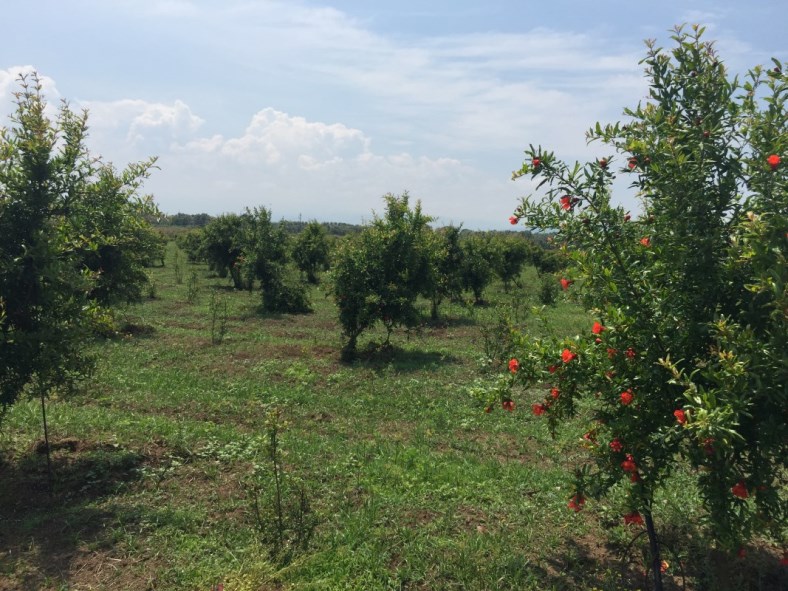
(447, 258)
(380, 272)
(74, 238)
(512, 254)
(479, 261)
(192, 244)
(311, 251)
(251, 247)
(221, 245)
(686, 364)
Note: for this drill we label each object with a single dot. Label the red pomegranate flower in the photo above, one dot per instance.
(566, 202)
(597, 328)
(629, 465)
(552, 368)
(513, 219)
(633, 518)
(630, 353)
(576, 502)
(567, 355)
(627, 397)
(633, 162)
(508, 405)
(565, 283)
(538, 409)
(645, 241)
(555, 393)
(536, 162)
(616, 445)
(611, 353)
(681, 416)
(774, 161)
(740, 490)
(514, 365)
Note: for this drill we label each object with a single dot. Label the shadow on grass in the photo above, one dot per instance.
(48, 528)
(588, 565)
(379, 356)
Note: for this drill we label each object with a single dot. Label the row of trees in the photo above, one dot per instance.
(377, 273)
(74, 240)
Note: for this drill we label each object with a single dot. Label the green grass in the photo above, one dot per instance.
(410, 484)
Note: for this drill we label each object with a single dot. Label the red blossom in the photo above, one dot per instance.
(565, 283)
(538, 409)
(514, 365)
(680, 415)
(536, 163)
(566, 202)
(740, 490)
(633, 518)
(774, 161)
(611, 353)
(508, 405)
(597, 328)
(576, 502)
(590, 436)
(630, 353)
(635, 477)
(513, 219)
(627, 397)
(645, 241)
(598, 340)
(567, 355)
(616, 445)
(555, 393)
(633, 162)
(552, 368)
(629, 465)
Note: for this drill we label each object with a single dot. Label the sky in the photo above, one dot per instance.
(316, 109)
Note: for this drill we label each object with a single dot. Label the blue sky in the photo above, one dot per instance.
(316, 109)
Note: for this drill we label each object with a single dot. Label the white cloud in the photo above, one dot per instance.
(144, 121)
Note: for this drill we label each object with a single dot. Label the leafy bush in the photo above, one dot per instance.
(380, 272)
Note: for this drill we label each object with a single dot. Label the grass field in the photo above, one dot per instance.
(390, 474)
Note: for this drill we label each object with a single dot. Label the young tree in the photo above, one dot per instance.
(311, 251)
(685, 363)
(265, 254)
(479, 261)
(380, 272)
(68, 224)
(221, 245)
(513, 253)
(447, 256)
